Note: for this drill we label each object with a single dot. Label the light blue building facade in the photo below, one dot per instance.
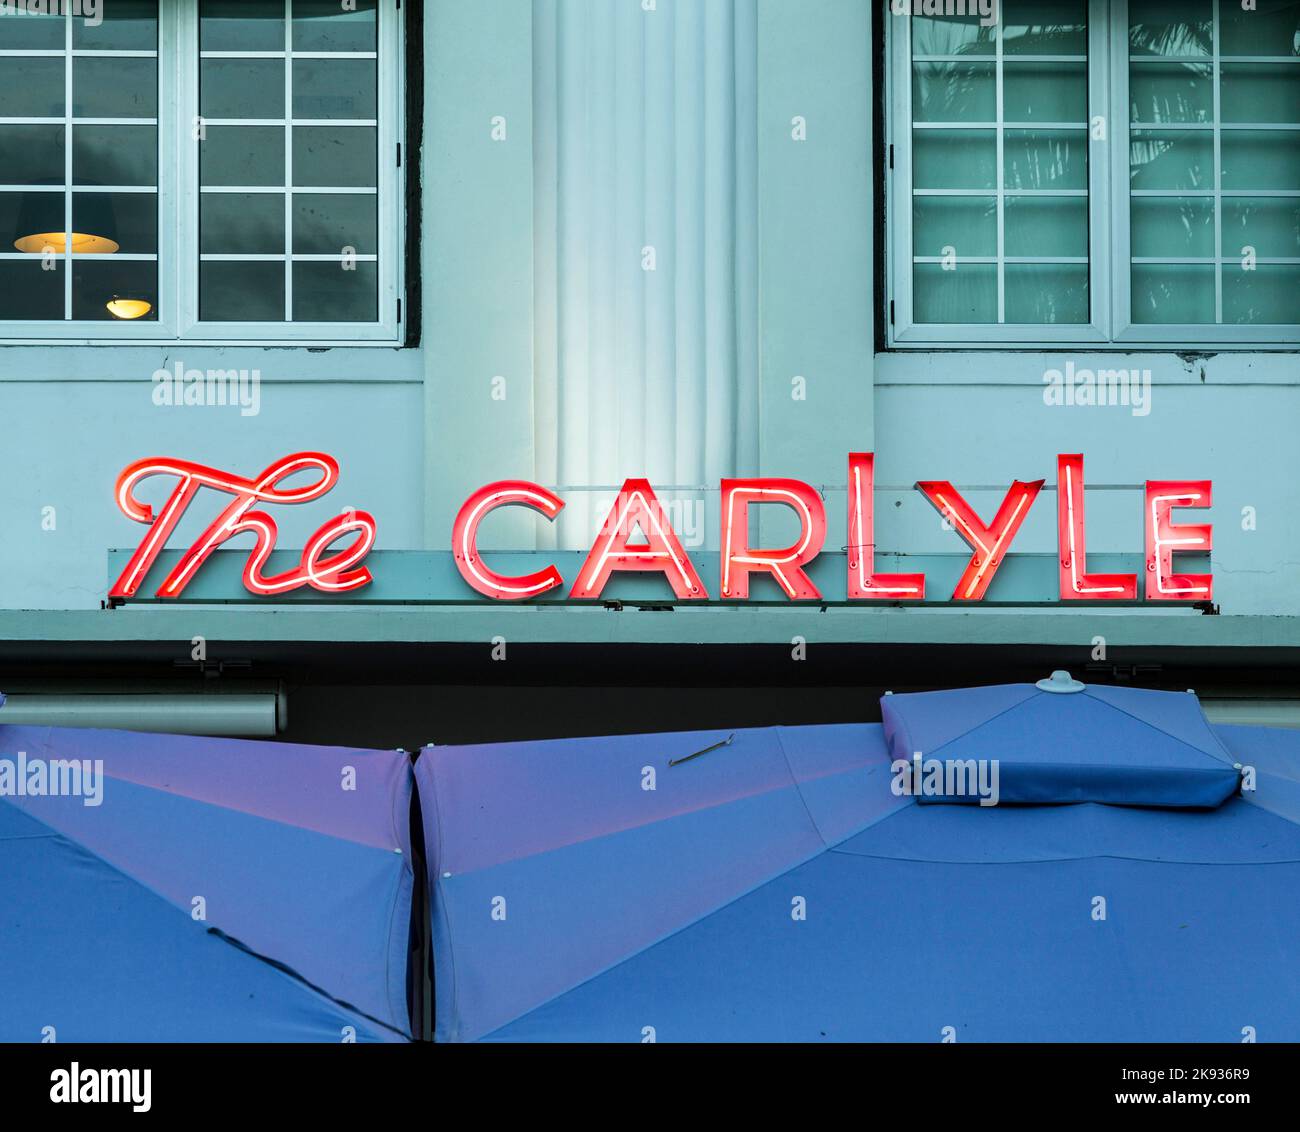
(686, 240)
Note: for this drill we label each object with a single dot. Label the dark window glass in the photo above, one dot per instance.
(33, 86)
(129, 219)
(233, 223)
(114, 87)
(334, 157)
(124, 25)
(334, 88)
(324, 224)
(242, 155)
(325, 292)
(29, 291)
(241, 292)
(241, 88)
(114, 155)
(97, 282)
(322, 25)
(32, 154)
(241, 25)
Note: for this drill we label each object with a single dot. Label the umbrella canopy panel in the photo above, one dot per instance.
(299, 855)
(779, 887)
(87, 954)
(1062, 741)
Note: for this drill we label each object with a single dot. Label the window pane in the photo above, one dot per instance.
(1258, 92)
(1172, 227)
(950, 35)
(114, 87)
(1046, 226)
(32, 154)
(242, 155)
(114, 155)
(968, 224)
(954, 159)
(241, 25)
(1173, 293)
(1170, 92)
(325, 224)
(334, 88)
(1045, 92)
(1044, 27)
(1048, 293)
(1265, 29)
(97, 282)
(241, 88)
(249, 223)
(1182, 159)
(330, 157)
(968, 294)
(1270, 225)
(325, 292)
(130, 220)
(32, 32)
(1045, 159)
(125, 25)
(241, 292)
(23, 215)
(1261, 159)
(954, 92)
(33, 87)
(1170, 27)
(1268, 294)
(322, 25)
(28, 291)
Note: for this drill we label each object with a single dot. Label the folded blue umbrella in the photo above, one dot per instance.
(171, 888)
(786, 884)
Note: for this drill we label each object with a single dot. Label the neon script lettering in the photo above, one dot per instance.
(638, 535)
(338, 572)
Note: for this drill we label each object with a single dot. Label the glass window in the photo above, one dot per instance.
(291, 108)
(999, 166)
(79, 158)
(1010, 157)
(208, 171)
(1214, 231)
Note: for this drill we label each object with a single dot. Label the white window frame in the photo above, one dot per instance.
(1108, 211)
(178, 207)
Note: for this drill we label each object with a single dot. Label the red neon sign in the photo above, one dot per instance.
(739, 559)
(638, 508)
(464, 539)
(988, 543)
(1164, 538)
(1076, 584)
(638, 536)
(864, 582)
(336, 573)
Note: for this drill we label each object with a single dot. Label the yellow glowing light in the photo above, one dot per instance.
(82, 243)
(129, 308)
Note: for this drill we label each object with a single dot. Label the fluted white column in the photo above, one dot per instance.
(645, 247)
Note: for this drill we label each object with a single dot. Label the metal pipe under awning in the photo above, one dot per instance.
(239, 714)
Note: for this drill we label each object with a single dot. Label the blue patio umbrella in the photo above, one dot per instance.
(171, 888)
(788, 884)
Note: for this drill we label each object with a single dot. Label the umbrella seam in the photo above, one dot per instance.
(1209, 730)
(984, 723)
